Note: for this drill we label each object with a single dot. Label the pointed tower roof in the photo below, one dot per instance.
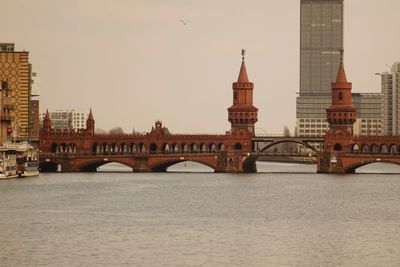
(90, 117)
(341, 76)
(47, 116)
(243, 78)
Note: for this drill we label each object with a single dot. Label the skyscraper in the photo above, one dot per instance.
(391, 100)
(321, 38)
(15, 70)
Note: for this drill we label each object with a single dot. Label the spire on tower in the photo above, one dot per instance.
(90, 117)
(243, 78)
(341, 76)
(47, 116)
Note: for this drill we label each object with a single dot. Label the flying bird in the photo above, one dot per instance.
(184, 22)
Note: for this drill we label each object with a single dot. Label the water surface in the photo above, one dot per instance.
(273, 218)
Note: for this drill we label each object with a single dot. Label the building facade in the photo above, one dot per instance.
(6, 47)
(15, 70)
(34, 120)
(6, 117)
(369, 114)
(390, 86)
(369, 118)
(66, 119)
(321, 38)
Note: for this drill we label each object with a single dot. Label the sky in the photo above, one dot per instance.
(134, 62)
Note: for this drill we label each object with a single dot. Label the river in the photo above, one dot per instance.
(272, 218)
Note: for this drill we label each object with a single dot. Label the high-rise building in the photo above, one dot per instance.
(34, 120)
(34, 92)
(321, 38)
(15, 70)
(390, 82)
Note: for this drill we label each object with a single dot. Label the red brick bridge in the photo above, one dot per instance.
(343, 152)
(83, 150)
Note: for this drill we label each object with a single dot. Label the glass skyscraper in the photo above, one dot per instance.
(321, 38)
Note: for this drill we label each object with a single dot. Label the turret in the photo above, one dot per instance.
(90, 123)
(242, 114)
(341, 115)
(47, 122)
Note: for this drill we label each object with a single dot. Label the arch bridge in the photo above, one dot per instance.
(153, 151)
(345, 154)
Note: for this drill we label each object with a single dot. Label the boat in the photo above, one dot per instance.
(21, 158)
(8, 163)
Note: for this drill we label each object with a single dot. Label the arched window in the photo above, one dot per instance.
(237, 146)
(340, 96)
(153, 148)
(337, 147)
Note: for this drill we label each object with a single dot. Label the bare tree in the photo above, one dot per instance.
(100, 131)
(116, 130)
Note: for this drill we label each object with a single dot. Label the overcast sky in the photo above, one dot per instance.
(133, 61)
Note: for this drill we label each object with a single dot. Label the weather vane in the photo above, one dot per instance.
(243, 54)
(341, 50)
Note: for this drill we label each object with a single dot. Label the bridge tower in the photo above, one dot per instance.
(90, 124)
(47, 123)
(242, 114)
(341, 116)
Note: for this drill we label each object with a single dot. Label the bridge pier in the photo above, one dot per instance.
(331, 163)
(235, 162)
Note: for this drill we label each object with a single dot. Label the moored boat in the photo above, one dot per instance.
(19, 159)
(8, 163)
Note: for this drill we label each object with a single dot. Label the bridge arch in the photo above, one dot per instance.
(212, 147)
(153, 148)
(48, 166)
(92, 165)
(221, 147)
(355, 148)
(351, 168)
(142, 147)
(364, 148)
(165, 148)
(384, 149)
(289, 141)
(175, 148)
(374, 148)
(162, 166)
(193, 148)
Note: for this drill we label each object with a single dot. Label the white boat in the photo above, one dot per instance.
(8, 163)
(22, 158)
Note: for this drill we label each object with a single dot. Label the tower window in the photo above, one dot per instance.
(340, 96)
(234, 95)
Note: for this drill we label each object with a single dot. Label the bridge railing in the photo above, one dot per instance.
(116, 154)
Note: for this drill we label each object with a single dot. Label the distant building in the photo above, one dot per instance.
(369, 114)
(6, 47)
(34, 119)
(66, 119)
(15, 70)
(34, 92)
(368, 111)
(321, 38)
(390, 86)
